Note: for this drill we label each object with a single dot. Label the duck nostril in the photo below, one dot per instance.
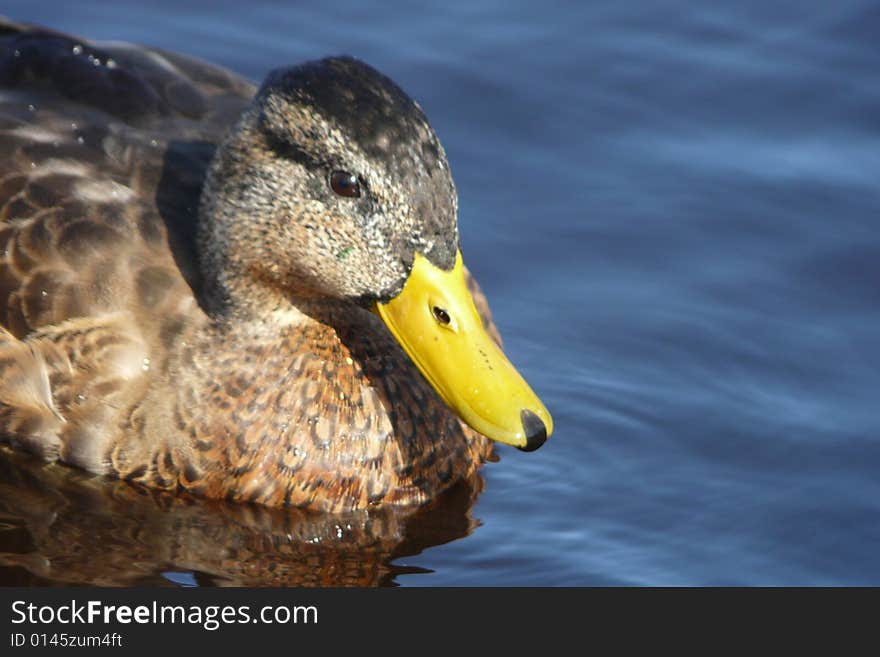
(441, 315)
(535, 429)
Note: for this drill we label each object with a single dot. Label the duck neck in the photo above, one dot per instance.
(229, 290)
(237, 303)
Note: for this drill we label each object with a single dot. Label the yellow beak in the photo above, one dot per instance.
(436, 323)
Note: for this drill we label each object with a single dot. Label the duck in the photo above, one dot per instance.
(242, 293)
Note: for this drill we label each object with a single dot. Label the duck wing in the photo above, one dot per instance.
(103, 149)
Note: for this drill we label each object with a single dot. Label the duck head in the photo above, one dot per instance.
(333, 185)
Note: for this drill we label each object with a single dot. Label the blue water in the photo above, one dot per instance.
(674, 209)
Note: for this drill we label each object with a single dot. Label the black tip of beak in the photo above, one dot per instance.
(536, 432)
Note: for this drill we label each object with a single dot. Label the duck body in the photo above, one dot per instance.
(132, 345)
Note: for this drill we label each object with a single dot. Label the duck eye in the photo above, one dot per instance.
(345, 184)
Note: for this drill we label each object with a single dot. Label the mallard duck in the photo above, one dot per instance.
(255, 295)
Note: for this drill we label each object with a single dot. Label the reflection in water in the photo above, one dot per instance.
(62, 526)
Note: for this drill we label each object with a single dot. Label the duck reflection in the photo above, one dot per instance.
(59, 526)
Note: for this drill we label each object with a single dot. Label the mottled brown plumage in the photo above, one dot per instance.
(212, 337)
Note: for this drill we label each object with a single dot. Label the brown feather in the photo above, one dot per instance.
(112, 362)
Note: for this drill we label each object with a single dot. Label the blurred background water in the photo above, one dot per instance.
(673, 208)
